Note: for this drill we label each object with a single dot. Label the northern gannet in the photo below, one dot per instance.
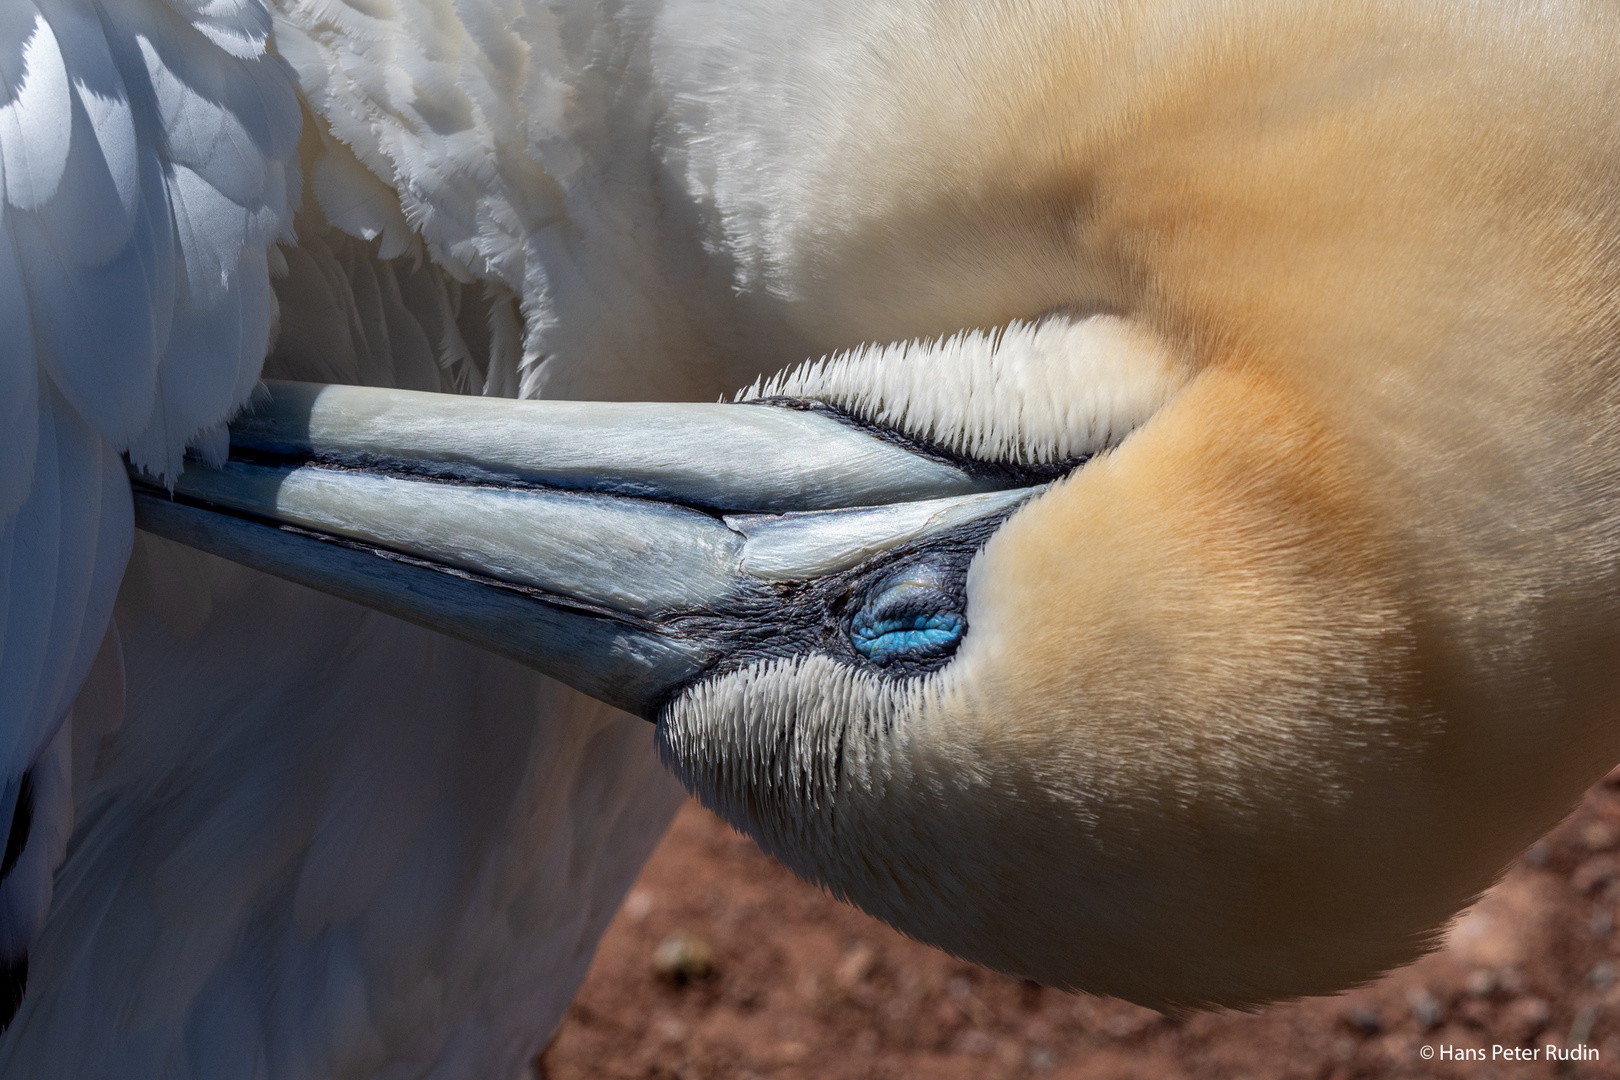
(1189, 574)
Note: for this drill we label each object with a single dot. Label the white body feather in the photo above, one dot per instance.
(145, 153)
(311, 840)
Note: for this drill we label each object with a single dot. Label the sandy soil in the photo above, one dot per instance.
(723, 965)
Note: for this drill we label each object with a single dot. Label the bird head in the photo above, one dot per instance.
(1148, 734)
(1205, 586)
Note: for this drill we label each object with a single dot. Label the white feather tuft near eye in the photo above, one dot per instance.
(1030, 393)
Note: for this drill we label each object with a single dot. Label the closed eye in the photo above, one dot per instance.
(914, 614)
(907, 636)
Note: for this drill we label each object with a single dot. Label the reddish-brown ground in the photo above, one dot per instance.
(804, 987)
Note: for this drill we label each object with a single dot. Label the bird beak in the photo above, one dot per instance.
(617, 547)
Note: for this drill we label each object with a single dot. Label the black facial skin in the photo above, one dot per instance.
(797, 618)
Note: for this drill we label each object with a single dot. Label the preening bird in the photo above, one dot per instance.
(1168, 546)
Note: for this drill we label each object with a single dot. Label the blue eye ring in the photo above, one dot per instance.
(914, 616)
(883, 640)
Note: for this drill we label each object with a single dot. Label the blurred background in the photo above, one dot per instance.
(723, 965)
